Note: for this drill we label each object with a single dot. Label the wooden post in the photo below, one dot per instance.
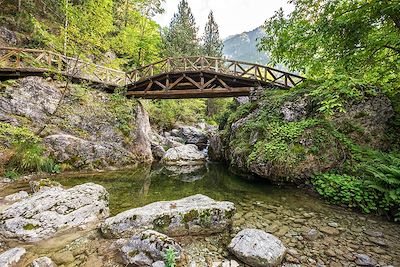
(18, 60)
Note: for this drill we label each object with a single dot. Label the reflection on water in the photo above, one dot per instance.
(135, 188)
(286, 212)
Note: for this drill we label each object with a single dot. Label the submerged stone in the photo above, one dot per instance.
(257, 248)
(49, 211)
(148, 248)
(194, 215)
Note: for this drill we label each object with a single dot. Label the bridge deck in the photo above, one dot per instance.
(187, 77)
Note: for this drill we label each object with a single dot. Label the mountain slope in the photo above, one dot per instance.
(243, 47)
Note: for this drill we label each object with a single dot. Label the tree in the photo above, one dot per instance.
(212, 43)
(181, 37)
(212, 47)
(356, 38)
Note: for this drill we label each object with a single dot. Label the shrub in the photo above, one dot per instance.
(372, 184)
(170, 258)
(28, 157)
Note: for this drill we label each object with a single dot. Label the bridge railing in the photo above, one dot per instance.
(218, 65)
(47, 61)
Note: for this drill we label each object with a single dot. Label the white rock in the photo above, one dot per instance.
(149, 247)
(194, 215)
(47, 212)
(11, 257)
(43, 262)
(17, 196)
(257, 248)
(184, 155)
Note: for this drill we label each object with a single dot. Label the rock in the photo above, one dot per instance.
(295, 110)
(194, 215)
(191, 135)
(329, 230)
(49, 211)
(81, 153)
(158, 151)
(8, 37)
(378, 241)
(84, 131)
(11, 257)
(63, 257)
(241, 100)
(311, 234)
(43, 262)
(184, 155)
(17, 196)
(257, 248)
(333, 224)
(149, 247)
(43, 184)
(158, 264)
(373, 233)
(216, 148)
(364, 260)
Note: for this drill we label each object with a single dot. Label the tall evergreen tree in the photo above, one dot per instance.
(212, 43)
(212, 47)
(181, 37)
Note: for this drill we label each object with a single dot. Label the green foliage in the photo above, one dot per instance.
(13, 175)
(212, 42)
(369, 181)
(347, 190)
(124, 112)
(90, 28)
(28, 157)
(332, 95)
(181, 38)
(170, 257)
(10, 134)
(325, 38)
(165, 114)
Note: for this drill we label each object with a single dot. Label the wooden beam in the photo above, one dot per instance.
(193, 93)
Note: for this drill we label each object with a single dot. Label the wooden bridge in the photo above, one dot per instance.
(172, 78)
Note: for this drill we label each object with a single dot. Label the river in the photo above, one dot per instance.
(315, 233)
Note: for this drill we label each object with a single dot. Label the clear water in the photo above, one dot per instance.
(285, 211)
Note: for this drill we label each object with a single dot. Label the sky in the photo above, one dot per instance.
(232, 16)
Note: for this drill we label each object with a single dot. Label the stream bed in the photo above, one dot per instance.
(315, 233)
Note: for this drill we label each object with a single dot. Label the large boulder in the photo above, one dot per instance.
(49, 211)
(82, 153)
(257, 248)
(184, 155)
(194, 215)
(191, 135)
(148, 247)
(283, 136)
(16, 196)
(11, 257)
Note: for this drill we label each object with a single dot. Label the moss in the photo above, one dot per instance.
(30, 227)
(205, 218)
(133, 253)
(190, 216)
(162, 223)
(229, 214)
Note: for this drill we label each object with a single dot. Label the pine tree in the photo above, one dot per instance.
(212, 43)
(181, 37)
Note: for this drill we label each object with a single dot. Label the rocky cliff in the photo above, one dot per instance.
(77, 126)
(283, 137)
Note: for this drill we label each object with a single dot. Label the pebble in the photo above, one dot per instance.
(329, 230)
(364, 260)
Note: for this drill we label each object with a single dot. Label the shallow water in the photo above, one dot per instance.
(287, 212)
